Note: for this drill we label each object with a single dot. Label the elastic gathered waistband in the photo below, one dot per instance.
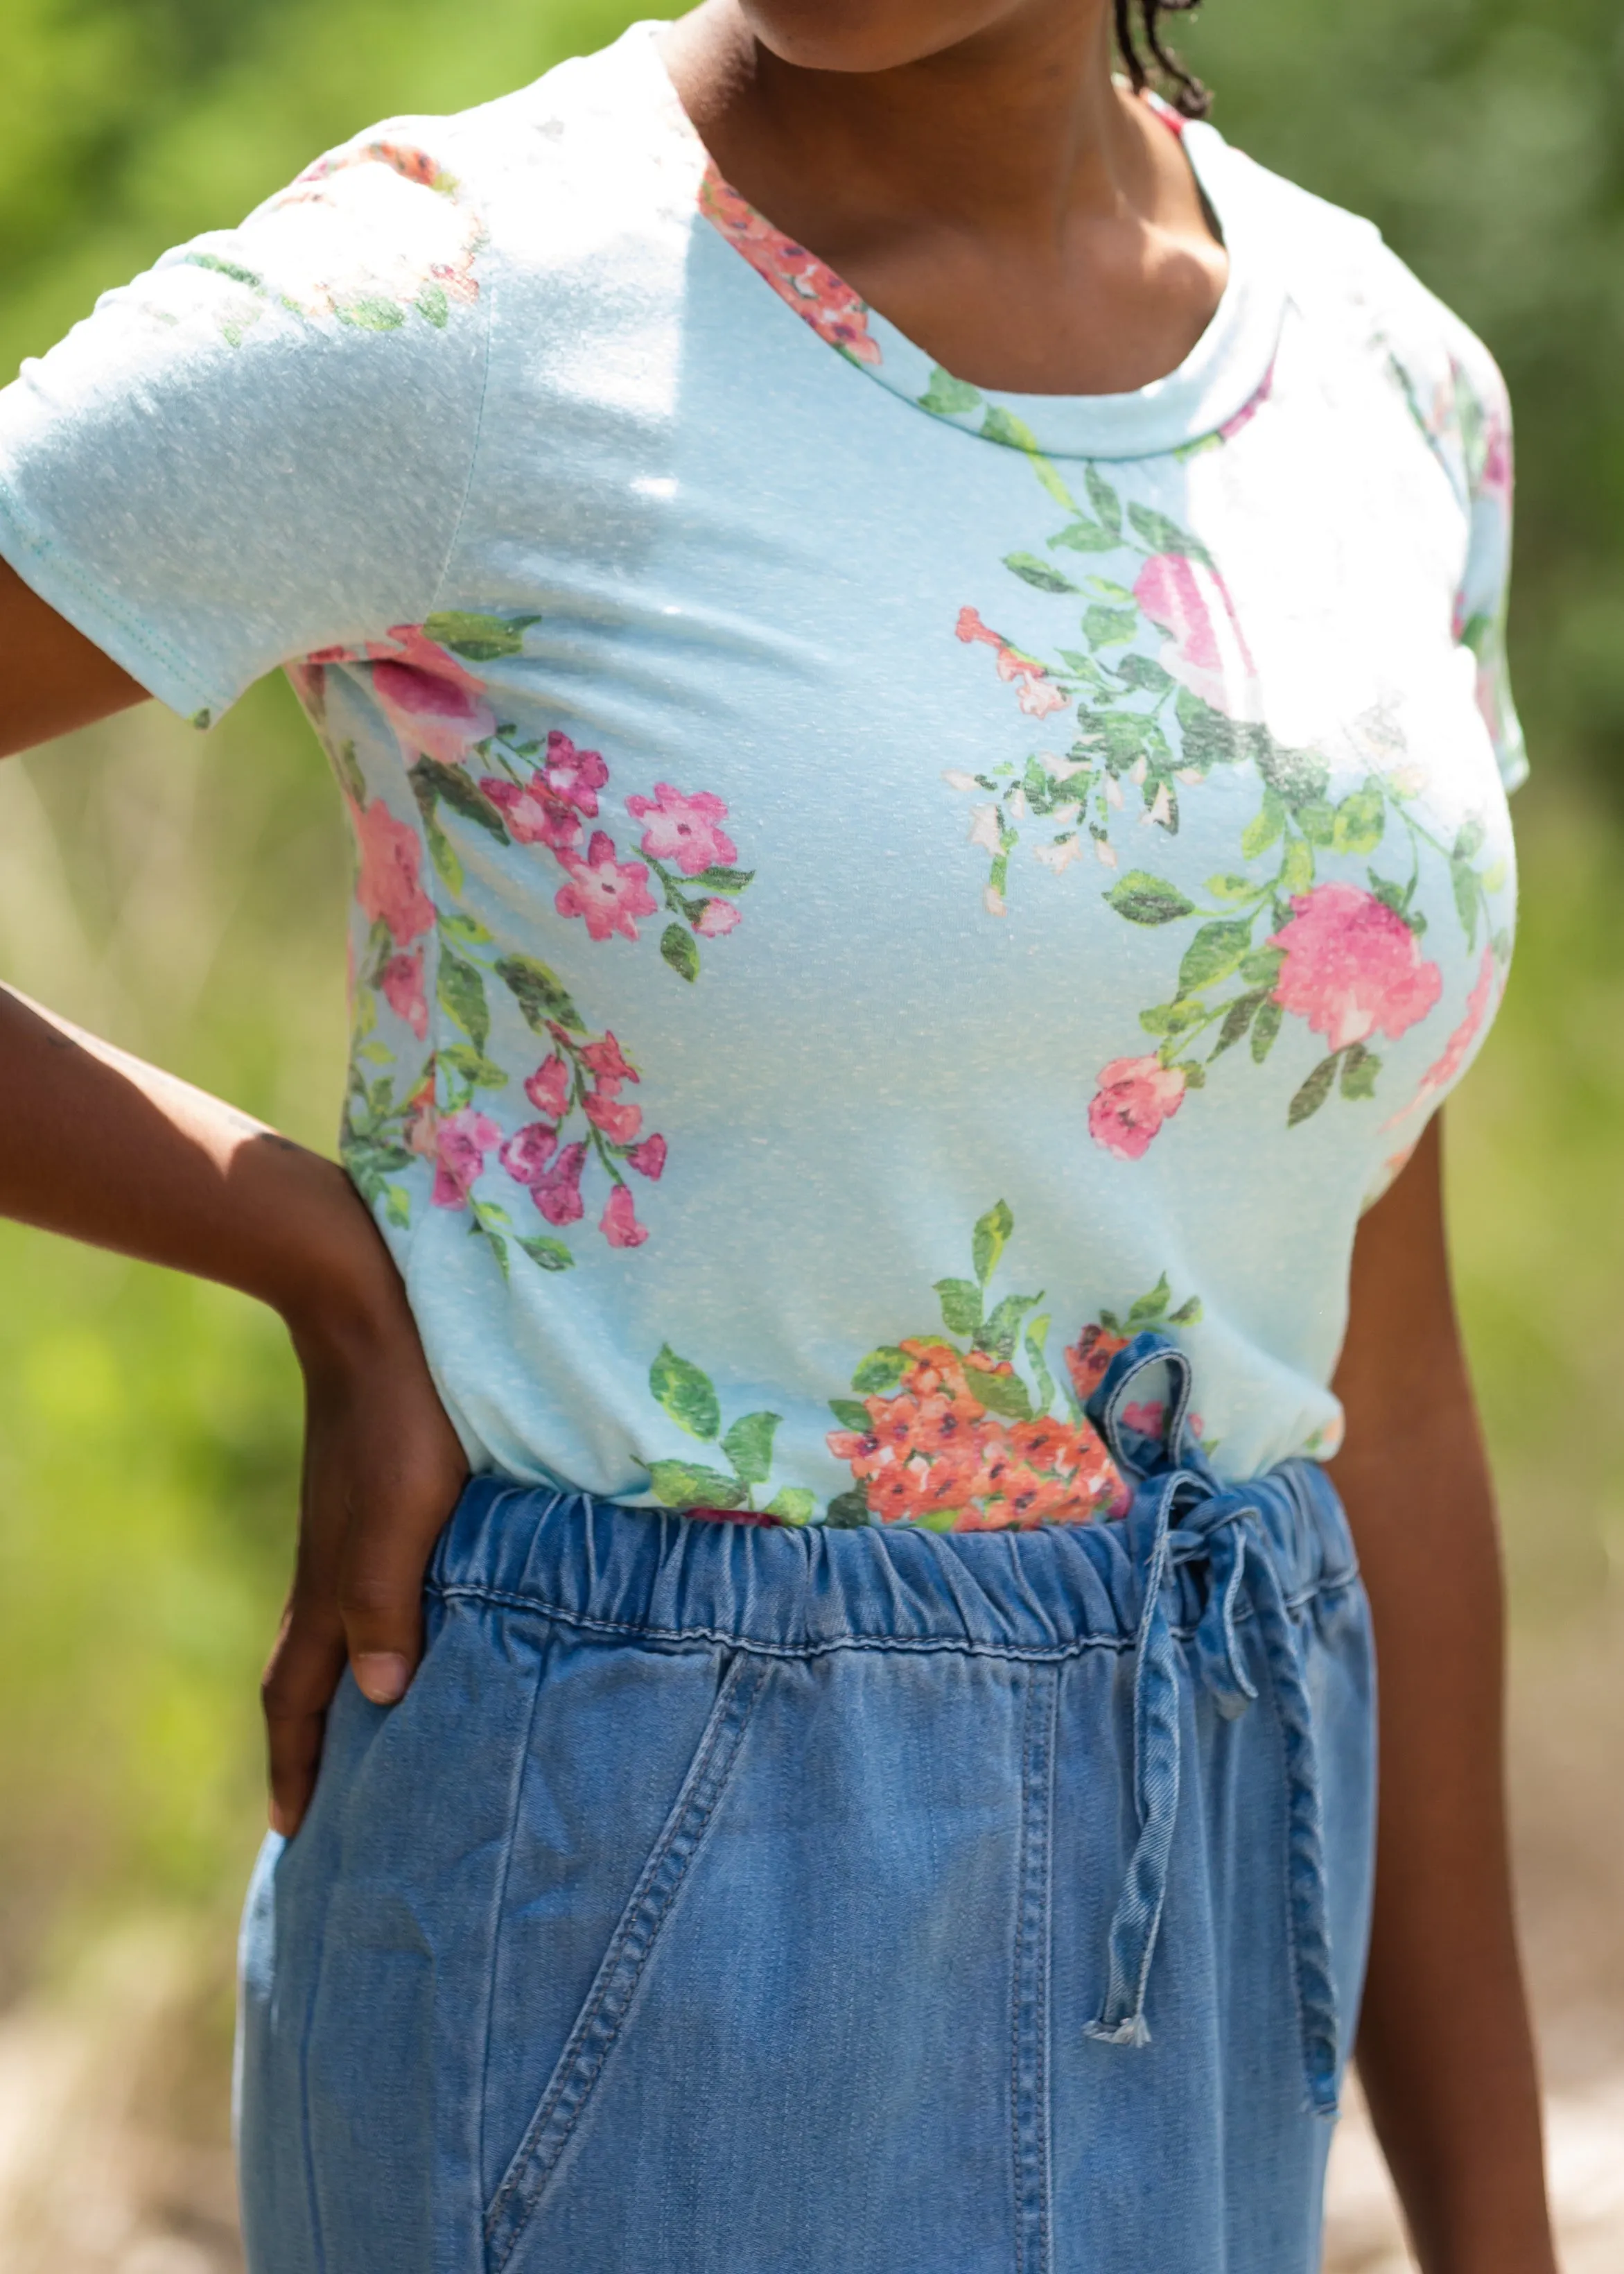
(676, 1580)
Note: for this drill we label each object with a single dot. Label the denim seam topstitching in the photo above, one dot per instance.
(729, 1638)
(598, 2027)
(1029, 2082)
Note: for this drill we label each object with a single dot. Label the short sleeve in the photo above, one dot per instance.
(1483, 412)
(262, 446)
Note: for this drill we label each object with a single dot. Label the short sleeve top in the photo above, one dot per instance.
(869, 890)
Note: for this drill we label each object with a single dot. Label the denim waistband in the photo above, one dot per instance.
(1045, 1594)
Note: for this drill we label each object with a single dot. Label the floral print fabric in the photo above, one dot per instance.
(868, 890)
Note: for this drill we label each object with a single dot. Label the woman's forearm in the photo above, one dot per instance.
(98, 1146)
(1445, 2050)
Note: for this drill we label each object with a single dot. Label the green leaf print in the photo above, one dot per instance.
(1146, 899)
(686, 1484)
(431, 303)
(988, 1239)
(1162, 535)
(748, 1446)
(1006, 1394)
(1297, 873)
(1463, 878)
(1002, 1331)
(1085, 537)
(1261, 968)
(1469, 842)
(1104, 499)
(1189, 1313)
(1264, 1027)
(369, 315)
(723, 880)
(1314, 1092)
(1104, 627)
(467, 928)
(1298, 775)
(793, 1504)
(462, 995)
(881, 1370)
(1145, 672)
(1360, 1068)
(1315, 817)
(432, 780)
(851, 1415)
(678, 948)
(687, 1393)
(1148, 1309)
(1037, 1342)
(442, 852)
(1265, 827)
(961, 1305)
(1361, 818)
(1038, 572)
(482, 639)
(1216, 949)
(848, 1511)
(477, 1071)
(947, 396)
(1238, 1018)
(540, 993)
(550, 1255)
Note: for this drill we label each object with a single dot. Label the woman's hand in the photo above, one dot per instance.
(382, 1471)
(101, 1147)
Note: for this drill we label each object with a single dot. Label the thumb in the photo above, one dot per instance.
(381, 1592)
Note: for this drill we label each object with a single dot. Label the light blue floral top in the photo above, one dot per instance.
(868, 890)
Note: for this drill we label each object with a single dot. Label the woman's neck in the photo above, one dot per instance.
(1000, 198)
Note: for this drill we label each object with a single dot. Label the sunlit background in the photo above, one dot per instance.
(184, 894)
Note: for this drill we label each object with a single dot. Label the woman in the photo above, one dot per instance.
(913, 648)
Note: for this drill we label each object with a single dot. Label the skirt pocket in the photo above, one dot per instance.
(559, 1898)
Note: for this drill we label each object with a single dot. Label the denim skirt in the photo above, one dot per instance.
(736, 1900)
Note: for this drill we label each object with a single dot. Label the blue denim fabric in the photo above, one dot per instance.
(729, 1900)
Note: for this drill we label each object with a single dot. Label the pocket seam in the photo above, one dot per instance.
(598, 2025)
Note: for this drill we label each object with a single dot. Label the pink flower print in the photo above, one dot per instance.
(461, 1141)
(1135, 1096)
(808, 285)
(618, 1222)
(1441, 1074)
(1035, 692)
(683, 828)
(618, 1122)
(608, 1062)
(548, 1087)
(1249, 410)
(401, 982)
(715, 918)
(1206, 650)
(391, 864)
(434, 704)
(1352, 967)
(557, 1190)
(528, 1151)
(575, 776)
(649, 1158)
(533, 814)
(608, 893)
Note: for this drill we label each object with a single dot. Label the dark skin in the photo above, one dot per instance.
(970, 168)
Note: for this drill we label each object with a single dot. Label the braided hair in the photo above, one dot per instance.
(1184, 91)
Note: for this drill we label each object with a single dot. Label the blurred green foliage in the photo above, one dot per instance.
(185, 895)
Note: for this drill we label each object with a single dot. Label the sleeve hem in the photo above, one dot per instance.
(147, 656)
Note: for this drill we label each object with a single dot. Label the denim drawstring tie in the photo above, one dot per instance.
(1182, 1515)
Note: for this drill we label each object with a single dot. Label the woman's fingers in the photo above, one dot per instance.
(300, 1677)
(380, 1587)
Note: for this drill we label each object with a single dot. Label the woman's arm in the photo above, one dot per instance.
(1445, 2051)
(97, 1146)
(52, 679)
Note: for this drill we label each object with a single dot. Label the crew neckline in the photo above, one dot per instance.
(1212, 392)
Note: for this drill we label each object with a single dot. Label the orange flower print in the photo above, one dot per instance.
(803, 281)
